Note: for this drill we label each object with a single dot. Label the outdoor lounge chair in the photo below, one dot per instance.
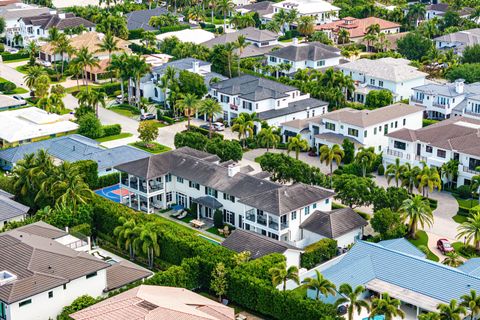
(175, 214)
(182, 215)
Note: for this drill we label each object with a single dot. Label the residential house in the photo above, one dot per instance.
(35, 27)
(263, 8)
(13, 12)
(272, 101)
(140, 19)
(391, 74)
(365, 128)
(322, 11)
(260, 41)
(196, 36)
(438, 10)
(313, 55)
(150, 84)
(32, 124)
(91, 40)
(154, 302)
(458, 41)
(357, 28)
(8, 102)
(420, 285)
(194, 179)
(73, 148)
(448, 99)
(44, 269)
(10, 210)
(456, 138)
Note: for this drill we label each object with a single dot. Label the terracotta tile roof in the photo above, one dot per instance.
(357, 27)
(156, 303)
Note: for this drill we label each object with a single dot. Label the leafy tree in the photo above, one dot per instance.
(192, 83)
(148, 132)
(471, 54)
(282, 274)
(414, 46)
(378, 99)
(353, 191)
(468, 71)
(306, 25)
(89, 126)
(222, 58)
(211, 109)
(429, 316)
(190, 139)
(388, 224)
(126, 232)
(386, 306)
(391, 198)
(349, 151)
(85, 59)
(352, 297)
(241, 44)
(470, 301)
(225, 149)
(470, 229)
(416, 211)
(42, 85)
(268, 137)
(219, 283)
(428, 180)
(451, 311)
(321, 37)
(33, 73)
(113, 24)
(298, 144)
(320, 285)
(189, 105)
(78, 304)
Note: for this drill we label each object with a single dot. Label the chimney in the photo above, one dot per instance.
(295, 41)
(195, 66)
(66, 229)
(459, 83)
(233, 169)
(61, 15)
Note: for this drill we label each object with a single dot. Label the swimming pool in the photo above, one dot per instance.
(215, 242)
(378, 317)
(112, 193)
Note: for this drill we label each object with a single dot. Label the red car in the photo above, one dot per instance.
(444, 246)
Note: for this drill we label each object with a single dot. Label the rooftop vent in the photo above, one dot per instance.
(6, 277)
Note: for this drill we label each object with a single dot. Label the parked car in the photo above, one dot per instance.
(119, 99)
(218, 126)
(20, 99)
(444, 246)
(205, 126)
(147, 116)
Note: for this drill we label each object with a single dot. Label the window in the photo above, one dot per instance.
(385, 129)
(375, 130)
(330, 126)
(65, 286)
(224, 99)
(91, 275)
(211, 192)
(314, 206)
(179, 180)
(50, 294)
(396, 124)
(380, 83)
(320, 63)
(307, 210)
(227, 196)
(327, 201)
(25, 302)
(428, 149)
(194, 185)
(399, 145)
(293, 215)
(372, 82)
(278, 103)
(3, 313)
(228, 217)
(273, 59)
(365, 133)
(247, 105)
(169, 196)
(168, 178)
(352, 132)
(441, 153)
(404, 121)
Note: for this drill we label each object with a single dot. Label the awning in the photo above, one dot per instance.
(208, 201)
(408, 296)
(336, 139)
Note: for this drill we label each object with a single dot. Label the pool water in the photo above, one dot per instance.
(378, 317)
(215, 242)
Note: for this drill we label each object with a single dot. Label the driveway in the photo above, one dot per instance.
(12, 75)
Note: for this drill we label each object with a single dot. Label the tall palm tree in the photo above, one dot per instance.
(210, 108)
(230, 53)
(268, 137)
(343, 36)
(117, 65)
(298, 144)
(428, 180)
(471, 301)
(386, 306)
(53, 34)
(85, 59)
(97, 98)
(225, 6)
(416, 211)
(394, 171)
(306, 25)
(373, 29)
(69, 187)
(281, 274)
(32, 48)
(320, 285)
(241, 44)
(138, 68)
(243, 126)
(365, 157)
(409, 176)
(189, 104)
(125, 234)
(352, 297)
(429, 316)
(330, 155)
(62, 46)
(147, 242)
(33, 73)
(449, 170)
(451, 311)
(470, 229)
(24, 178)
(213, 5)
(415, 13)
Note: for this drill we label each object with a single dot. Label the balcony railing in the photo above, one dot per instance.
(233, 107)
(250, 215)
(439, 105)
(415, 99)
(471, 171)
(420, 158)
(273, 225)
(394, 153)
(261, 220)
(284, 226)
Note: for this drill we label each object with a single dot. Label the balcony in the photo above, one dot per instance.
(273, 225)
(394, 153)
(284, 225)
(250, 215)
(420, 158)
(439, 105)
(262, 220)
(471, 171)
(141, 184)
(233, 107)
(415, 99)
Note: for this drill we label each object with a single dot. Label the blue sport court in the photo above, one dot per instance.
(112, 193)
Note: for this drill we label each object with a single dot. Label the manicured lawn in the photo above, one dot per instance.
(422, 240)
(467, 203)
(214, 230)
(459, 218)
(127, 112)
(157, 123)
(459, 248)
(156, 149)
(216, 20)
(22, 69)
(115, 137)
(16, 60)
(65, 111)
(17, 90)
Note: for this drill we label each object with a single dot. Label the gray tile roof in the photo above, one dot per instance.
(182, 64)
(40, 264)
(139, 19)
(462, 38)
(312, 51)
(262, 8)
(448, 89)
(10, 209)
(14, 12)
(47, 21)
(335, 223)
(293, 107)
(124, 272)
(253, 88)
(208, 201)
(43, 229)
(256, 244)
(250, 33)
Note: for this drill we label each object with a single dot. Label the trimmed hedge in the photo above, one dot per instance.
(6, 56)
(318, 252)
(135, 34)
(166, 119)
(108, 180)
(174, 28)
(89, 171)
(110, 88)
(205, 132)
(111, 130)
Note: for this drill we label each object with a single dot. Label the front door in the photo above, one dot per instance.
(208, 213)
(182, 200)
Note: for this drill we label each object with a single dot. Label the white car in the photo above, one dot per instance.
(12, 50)
(119, 99)
(218, 126)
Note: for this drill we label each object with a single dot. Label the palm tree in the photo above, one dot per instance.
(230, 53)
(32, 48)
(306, 25)
(225, 6)
(273, 26)
(189, 104)
(281, 274)
(373, 29)
(409, 176)
(320, 285)
(97, 98)
(429, 316)
(24, 182)
(365, 157)
(241, 44)
(394, 171)
(352, 297)
(210, 108)
(416, 211)
(33, 73)
(449, 170)
(416, 12)
(53, 34)
(470, 229)
(244, 126)
(329, 155)
(69, 187)
(138, 68)
(268, 137)
(428, 180)
(370, 38)
(343, 36)
(213, 6)
(452, 259)
(386, 306)
(117, 65)
(85, 59)
(147, 242)
(451, 311)
(298, 144)
(126, 234)
(62, 47)
(471, 302)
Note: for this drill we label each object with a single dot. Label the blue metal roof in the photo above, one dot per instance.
(402, 245)
(367, 261)
(76, 147)
(472, 267)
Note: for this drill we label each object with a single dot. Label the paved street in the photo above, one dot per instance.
(8, 72)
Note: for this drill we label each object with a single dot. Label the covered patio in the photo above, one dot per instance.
(207, 205)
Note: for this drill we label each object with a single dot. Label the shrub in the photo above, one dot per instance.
(83, 229)
(218, 219)
(88, 169)
(318, 252)
(381, 170)
(135, 34)
(125, 106)
(108, 180)
(166, 119)
(9, 86)
(475, 210)
(6, 56)
(89, 126)
(112, 130)
(464, 192)
(174, 28)
(78, 304)
(205, 132)
(110, 88)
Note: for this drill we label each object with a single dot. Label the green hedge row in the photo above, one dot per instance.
(318, 252)
(108, 180)
(135, 34)
(205, 132)
(174, 28)
(111, 130)
(6, 56)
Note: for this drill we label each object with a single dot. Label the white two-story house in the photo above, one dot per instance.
(456, 138)
(322, 11)
(191, 178)
(391, 74)
(365, 128)
(312, 55)
(273, 102)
